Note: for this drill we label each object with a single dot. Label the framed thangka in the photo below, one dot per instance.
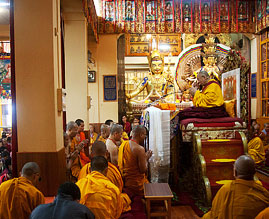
(130, 10)
(242, 10)
(186, 10)
(110, 88)
(150, 10)
(169, 14)
(205, 10)
(109, 10)
(230, 83)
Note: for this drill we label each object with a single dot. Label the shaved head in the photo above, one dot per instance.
(99, 163)
(204, 73)
(70, 125)
(138, 130)
(104, 128)
(29, 169)
(244, 167)
(116, 128)
(99, 148)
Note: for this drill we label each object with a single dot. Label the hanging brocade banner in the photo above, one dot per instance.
(262, 15)
(179, 16)
(90, 14)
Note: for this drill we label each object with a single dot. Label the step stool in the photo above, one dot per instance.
(160, 192)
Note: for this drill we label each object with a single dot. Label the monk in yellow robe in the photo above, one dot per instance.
(84, 159)
(19, 196)
(133, 161)
(113, 174)
(72, 150)
(264, 214)
(105, 129)
(124, 136)
(265, 136)
(256, 146)
(208, 103)
(92, 135)
(243, 198)
(100, 195)
(211, 94)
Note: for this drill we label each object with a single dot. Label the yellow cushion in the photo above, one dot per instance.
(229, 107)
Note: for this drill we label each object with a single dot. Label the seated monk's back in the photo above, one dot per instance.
(18, 198)
(128, 164)
(101, 196)
(113, 174)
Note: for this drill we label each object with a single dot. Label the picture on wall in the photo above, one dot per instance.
(110, 88)
(91, 76)
(231, 87)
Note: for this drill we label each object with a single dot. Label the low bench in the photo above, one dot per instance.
(158, 192)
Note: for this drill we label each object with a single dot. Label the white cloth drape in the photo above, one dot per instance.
(159, 143)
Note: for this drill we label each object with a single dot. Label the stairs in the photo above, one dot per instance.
(216, 159)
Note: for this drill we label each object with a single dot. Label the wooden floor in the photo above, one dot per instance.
(183, 212)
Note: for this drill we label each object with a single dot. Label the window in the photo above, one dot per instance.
(264, 71)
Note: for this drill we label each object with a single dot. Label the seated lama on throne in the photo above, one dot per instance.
(207, 103)
(158, 83)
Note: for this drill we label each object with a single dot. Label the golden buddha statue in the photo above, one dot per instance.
(158, 82)
(211, 67)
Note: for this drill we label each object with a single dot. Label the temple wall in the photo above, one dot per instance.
(37, 77)
(76, 55)
(105, 56)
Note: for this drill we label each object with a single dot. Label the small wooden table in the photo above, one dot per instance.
(158, 191)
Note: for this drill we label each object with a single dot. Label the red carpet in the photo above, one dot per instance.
(265, 185)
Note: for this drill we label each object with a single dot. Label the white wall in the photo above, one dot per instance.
(76, 53)
(105, 55)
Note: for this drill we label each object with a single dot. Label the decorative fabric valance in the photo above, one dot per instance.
(177, 16)
(262, 14)
(90, 14)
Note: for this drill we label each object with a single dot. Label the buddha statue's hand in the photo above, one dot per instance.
(169, 78)
(128, 96)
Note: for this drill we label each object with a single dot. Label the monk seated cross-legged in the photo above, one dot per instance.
(256, 146)
(19, 196)
(113, 174)
(208, 103)
(133, 161)
(243, 198)
(100, 195)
